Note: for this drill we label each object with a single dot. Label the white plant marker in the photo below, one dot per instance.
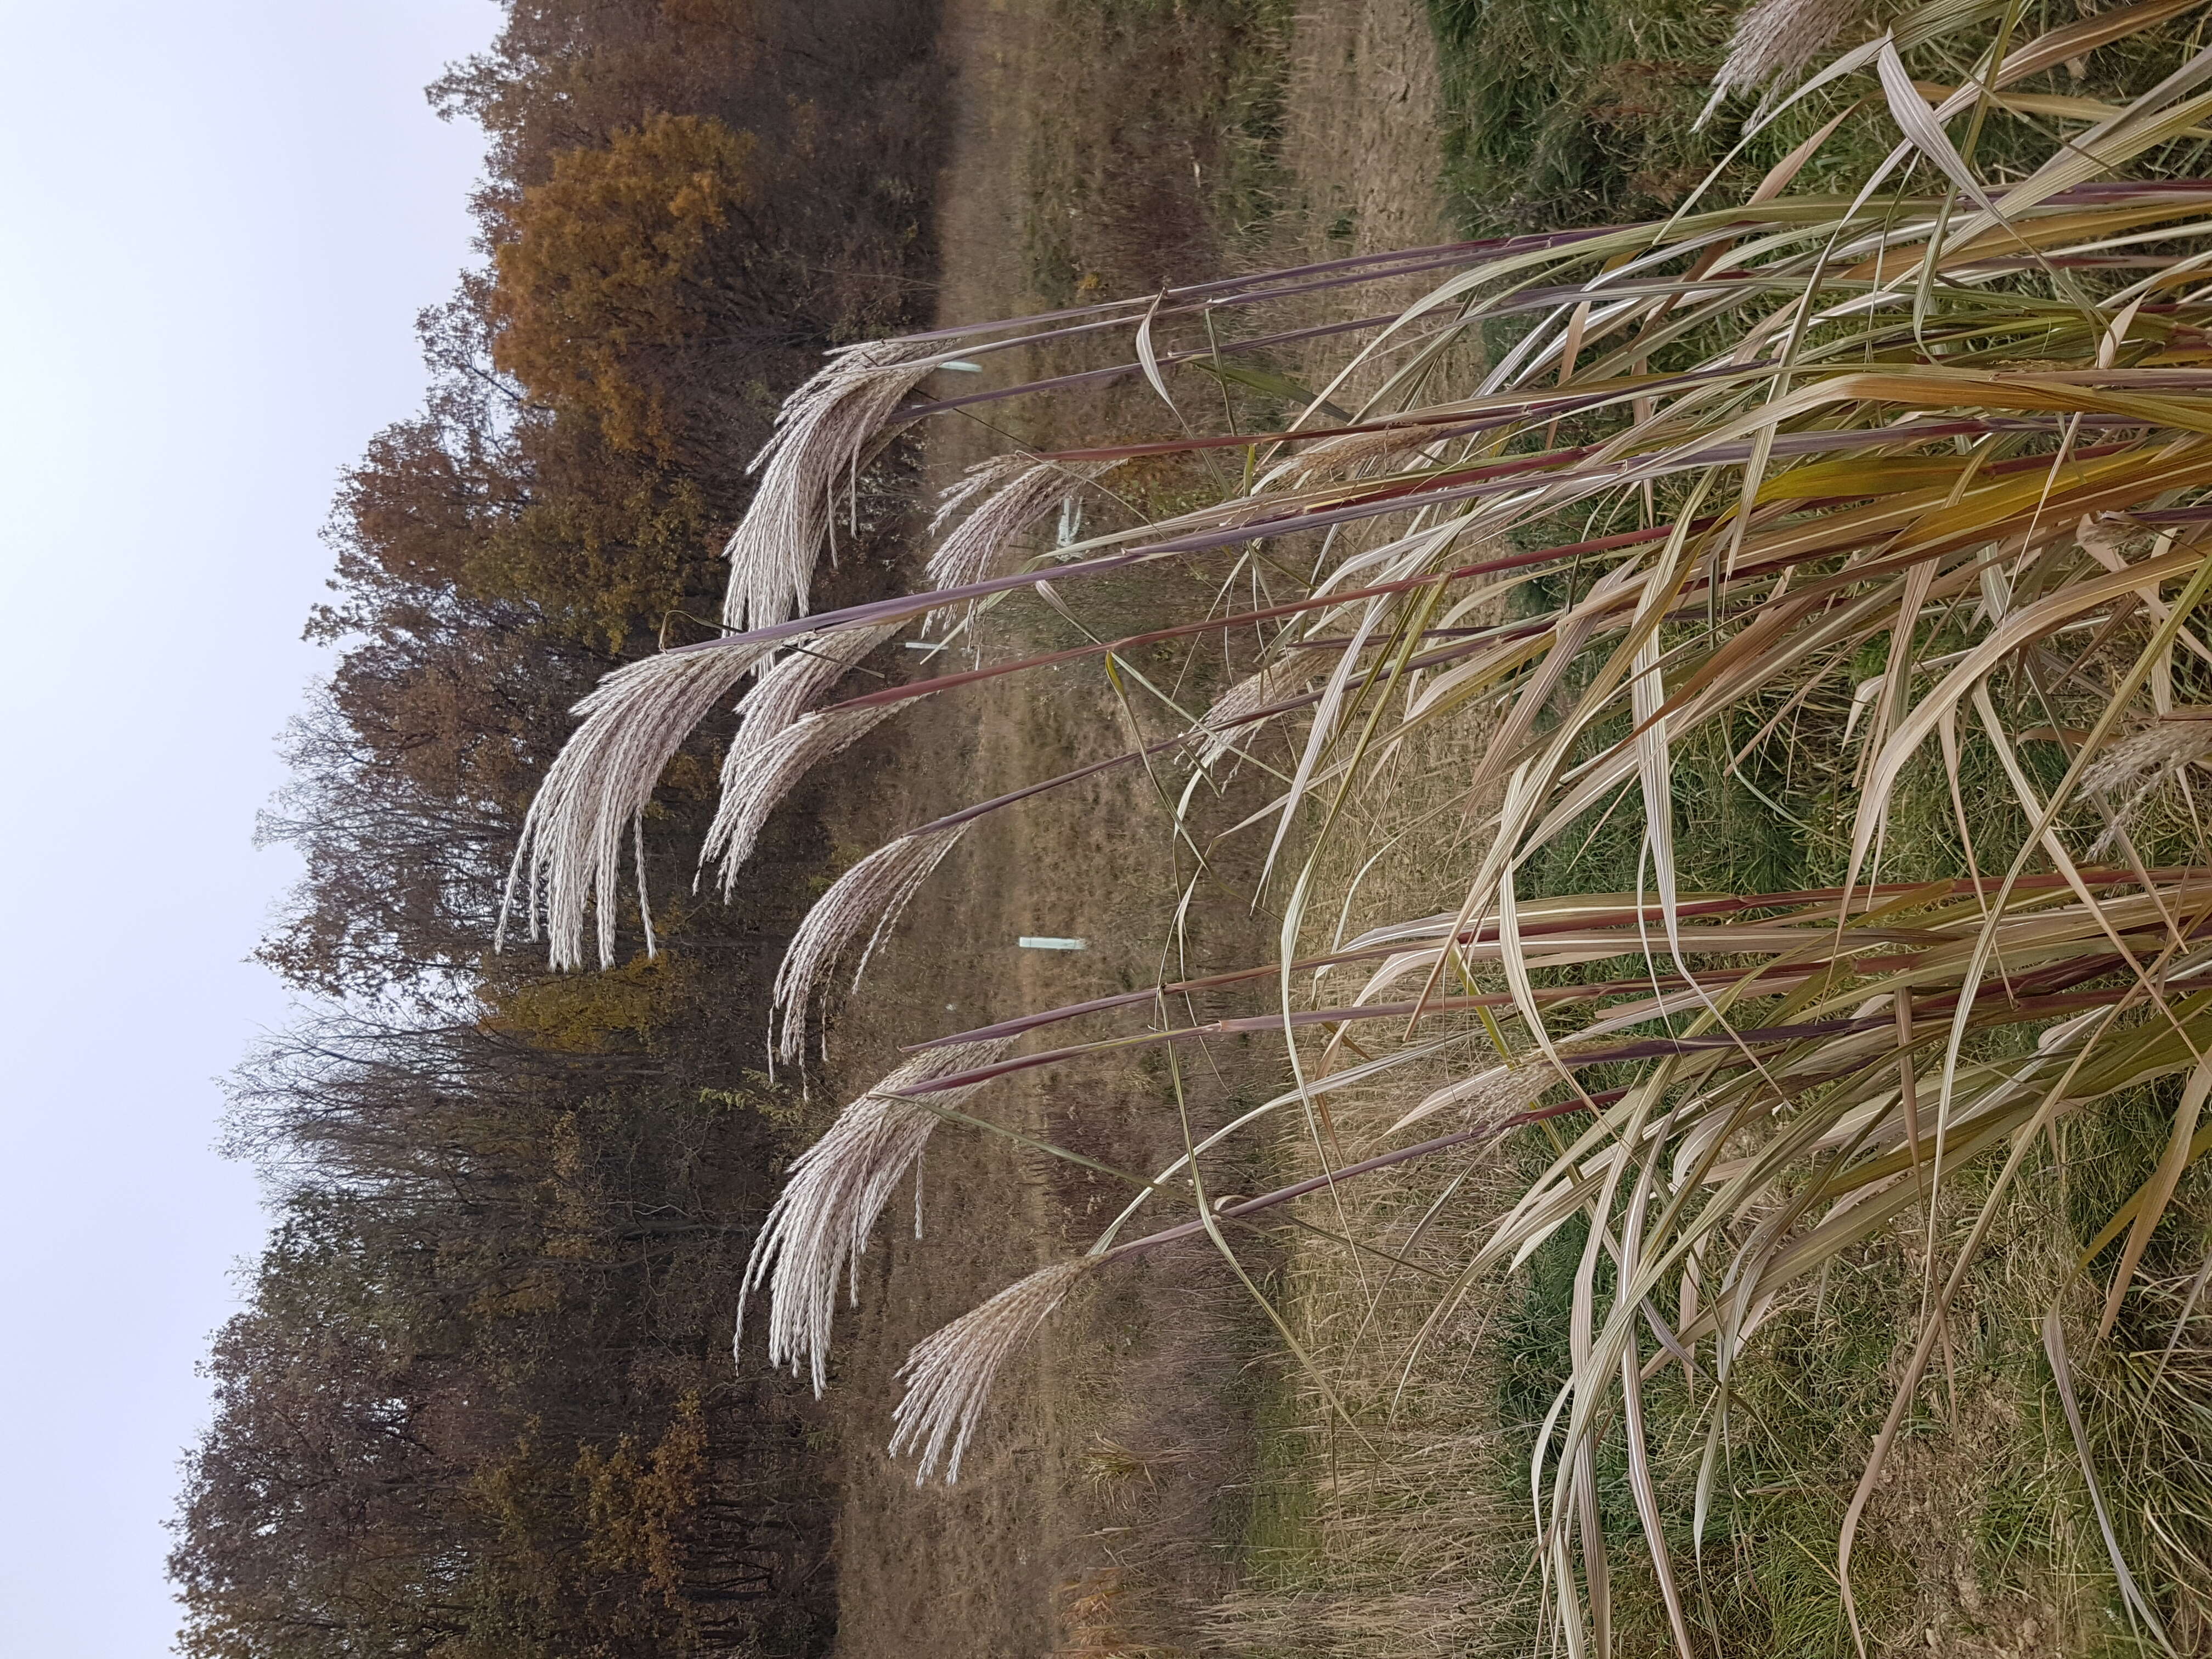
(1045, 941)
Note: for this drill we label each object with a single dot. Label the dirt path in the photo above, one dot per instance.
(1360, 133)
(1101, 1506)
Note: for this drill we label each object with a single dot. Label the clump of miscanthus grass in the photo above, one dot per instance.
(1907, 484)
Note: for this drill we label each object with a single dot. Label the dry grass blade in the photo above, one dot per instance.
(2062, 1373)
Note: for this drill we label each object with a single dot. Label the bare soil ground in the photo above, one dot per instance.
(1099, 149)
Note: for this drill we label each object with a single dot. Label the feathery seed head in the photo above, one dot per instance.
(1341, 456)
(869, 896)
(570, 853)
(1488, 1096)
(1225, 725)
(2139, 765)
(2150, 754)
(808, 671)
(949, 1374)
(825, 432)
(1778, 36)
(818, 1228)
(756, 778)
(1010, 493)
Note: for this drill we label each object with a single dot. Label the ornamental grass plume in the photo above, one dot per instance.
(826, 431)
(2138, 765)
(1232, 718)
(1347, 454)
(808, 671)
(756, 777)
(869, 898)
(1489, 1096)
(1716, 469)
(2143, 762)
(1776, 38)
(778, 741)
(817, 1229)
(1002, 497)
(569, 855)
(950, 1375)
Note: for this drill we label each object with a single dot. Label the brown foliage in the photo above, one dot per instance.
(619, 264)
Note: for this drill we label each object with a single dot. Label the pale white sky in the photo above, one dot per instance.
(219, 221)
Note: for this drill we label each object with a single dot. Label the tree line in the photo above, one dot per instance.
(479, 1400)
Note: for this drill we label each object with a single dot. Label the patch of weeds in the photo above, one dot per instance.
(1566, 112)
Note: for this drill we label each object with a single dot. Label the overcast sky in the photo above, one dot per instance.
(220, 221)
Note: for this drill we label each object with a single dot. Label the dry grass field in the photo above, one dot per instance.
(1099, 150)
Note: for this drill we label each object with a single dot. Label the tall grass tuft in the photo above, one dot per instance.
(1873, 521)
